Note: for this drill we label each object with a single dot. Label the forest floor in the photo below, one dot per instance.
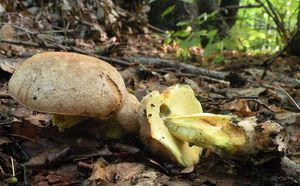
(36, 153)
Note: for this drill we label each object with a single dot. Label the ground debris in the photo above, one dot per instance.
(105, 29)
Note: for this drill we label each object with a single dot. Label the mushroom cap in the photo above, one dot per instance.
(68, 84)
(156, 136)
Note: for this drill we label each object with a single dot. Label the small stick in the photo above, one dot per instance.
(290, 97)
(12, 166)
(13, 179)
(65, 48)
(269, 62)
(20, 136)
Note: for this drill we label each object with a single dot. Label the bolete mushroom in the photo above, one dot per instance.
(174, 117)
(153, 110)
(73, 87)
(227, 137)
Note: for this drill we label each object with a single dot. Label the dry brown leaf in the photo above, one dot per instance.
(7, 32)
(98, 171)
(248, 92)
(37, 161)
(49, 157)
(58, 179)
(39, 119)
(115, 173)
(170, 79)
(188, 169)
(21, 112)
(193, 84)
(9, 65)
(241, 108)
(4, 140)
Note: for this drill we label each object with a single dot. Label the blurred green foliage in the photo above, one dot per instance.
(255, 30)
(258, 32)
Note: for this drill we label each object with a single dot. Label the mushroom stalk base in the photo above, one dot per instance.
(220, 134)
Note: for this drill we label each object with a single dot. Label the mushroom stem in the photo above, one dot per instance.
(221, 135)
(127, 116)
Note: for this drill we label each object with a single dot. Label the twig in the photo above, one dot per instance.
(129, 61)
(242, 6)
(13, 179)
(269, 62)
(290, 97)
(12, 166)
(261, 103)
(278, 20)
(163, 63)
(66, 48)
(280, 78)
(271, 12)
(194, 75)
(20, 136)
(156, 29)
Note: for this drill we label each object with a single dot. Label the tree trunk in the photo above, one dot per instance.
(294, 48)
(222, 21)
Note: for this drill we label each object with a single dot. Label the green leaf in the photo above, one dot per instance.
(211, 35)
(168, 11)
(182, 33)
(201, 33)
(183, 23)
(219, 59)
(168, 40)
(186, 44)
(187, 1)
(209, 49)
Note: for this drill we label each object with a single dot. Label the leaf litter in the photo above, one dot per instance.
(44, 156)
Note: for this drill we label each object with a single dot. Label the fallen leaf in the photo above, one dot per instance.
(39, 120)
(118, 173)
(252, 92)
(4, 140)
(288, 118)
(115, 173)
(194, 85)
(7, 32)
(188, 169)
(10, 65)
(55, 178)
(98, 171)
(49, 157)
(21, 112)
(170, 79)
(241, 108)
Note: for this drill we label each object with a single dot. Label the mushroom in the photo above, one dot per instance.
(227, 137)
(174, 118)
(73, 87)
(153, 109)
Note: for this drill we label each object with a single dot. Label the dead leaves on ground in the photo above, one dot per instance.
(76, 156)
(51, 154)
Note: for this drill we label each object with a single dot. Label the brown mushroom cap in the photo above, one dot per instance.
(68, 84)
